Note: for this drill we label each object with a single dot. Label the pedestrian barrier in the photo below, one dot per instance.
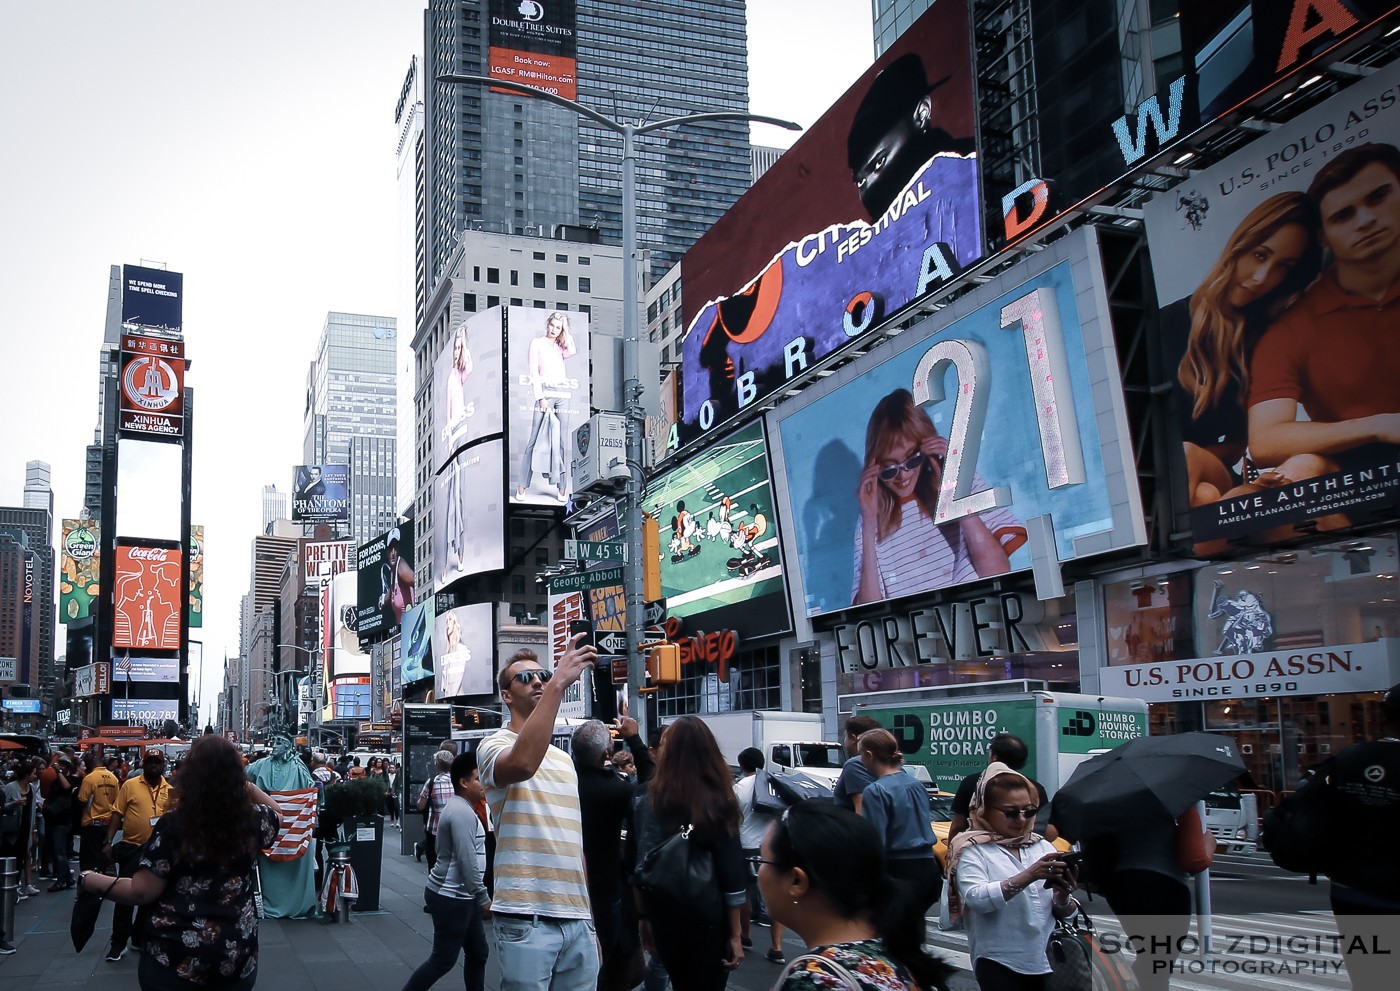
(9, 896)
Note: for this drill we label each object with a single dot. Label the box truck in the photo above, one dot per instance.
(950, 736)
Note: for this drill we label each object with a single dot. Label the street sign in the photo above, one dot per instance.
(595, 550)
(614, 642)
(602, 578)
(654, 613)
(619, 670)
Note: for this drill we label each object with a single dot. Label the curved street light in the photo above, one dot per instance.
(631, 341)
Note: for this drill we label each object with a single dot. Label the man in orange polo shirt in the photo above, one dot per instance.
(140, 803)
(96, 795)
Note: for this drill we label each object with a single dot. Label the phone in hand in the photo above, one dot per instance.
(1073, 859)
(577, 626)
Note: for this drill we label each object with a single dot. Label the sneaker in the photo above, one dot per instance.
(5, 948)
(115, 954)
(29, 890)
(776, 956)
(746, 942)
(60, 886)
(21, 896)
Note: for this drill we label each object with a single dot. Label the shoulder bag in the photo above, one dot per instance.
(833, 968)
(1079, 963)
(677, 879)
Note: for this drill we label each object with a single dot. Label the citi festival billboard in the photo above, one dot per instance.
(924, 464)
(1280, 345)
(874, 206)
(547, 397)
(147, 597)
(534, 42)
(321, 494)
(467, 385)
(721, 558)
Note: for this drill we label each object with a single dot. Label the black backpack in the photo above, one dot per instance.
(1297, 831)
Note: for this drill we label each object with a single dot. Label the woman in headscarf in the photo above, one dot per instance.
(995, 874)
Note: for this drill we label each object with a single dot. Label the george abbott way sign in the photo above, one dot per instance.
(1352, 667)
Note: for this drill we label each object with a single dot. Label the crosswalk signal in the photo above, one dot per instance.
(651, 558)
(664, 664)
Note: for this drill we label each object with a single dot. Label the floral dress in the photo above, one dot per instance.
(867, 961)
(204, 927)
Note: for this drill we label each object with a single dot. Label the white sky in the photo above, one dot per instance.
(251, 147)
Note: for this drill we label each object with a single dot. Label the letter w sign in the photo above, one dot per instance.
(1133, 143)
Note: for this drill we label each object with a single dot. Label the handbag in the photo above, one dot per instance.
(12, 820)
(946, 922)
(677, 879)
(833, 969)
(1069, 951)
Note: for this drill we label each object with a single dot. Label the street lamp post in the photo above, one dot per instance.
(314, 656)
(631, 343)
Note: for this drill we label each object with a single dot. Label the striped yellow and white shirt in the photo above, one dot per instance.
(539, 835)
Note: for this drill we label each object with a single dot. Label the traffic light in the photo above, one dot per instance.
(664, 664)
(651, 558)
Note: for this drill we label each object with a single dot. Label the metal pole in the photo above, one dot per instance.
(9, 896)
(636, 426)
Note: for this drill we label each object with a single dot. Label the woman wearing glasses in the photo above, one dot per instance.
(899, 549)
(821, 870)
(1008, 884)
(897, 806)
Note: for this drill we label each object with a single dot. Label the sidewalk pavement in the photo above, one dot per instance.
(376, 950)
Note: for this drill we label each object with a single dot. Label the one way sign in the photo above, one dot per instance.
(614, 643)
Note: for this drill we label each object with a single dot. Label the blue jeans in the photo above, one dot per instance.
(457, 928)
(62, 870)
(535, 953)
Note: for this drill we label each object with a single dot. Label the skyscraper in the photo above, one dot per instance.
(350, 414)
(513, 164)
(38, 494)
(274, 506)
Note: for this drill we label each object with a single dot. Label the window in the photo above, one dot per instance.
(514, 275)
(561, 283)
(585, 309)
(516, 302)
(585, 284)
(517, 584)
(493, 301)
(542, 557)
(469, 302)
(539, 280)
(476, 273)
(493, 275)
(562, 259)
(539, 256)
(584, 260)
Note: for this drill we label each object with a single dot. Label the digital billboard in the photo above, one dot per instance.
(387, 582)
(533, 42)
(924, 464)
(547, 397)
(350, 698)
(416, 648)
(144, 668)
(149, 712)
(349, 658)
(464, 656)
(152, 403)
(22, 706)
(721, 559)
(195, 611)
(147, 598)
(325, 558)
(321, 494)
(874, 206)
(152, 297)
(1280, 343)
(81, 568)
(467, 385)
(469, 515)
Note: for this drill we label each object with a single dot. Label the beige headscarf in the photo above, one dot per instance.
(981, 831)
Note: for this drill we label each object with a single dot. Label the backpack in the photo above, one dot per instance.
(1296, 831)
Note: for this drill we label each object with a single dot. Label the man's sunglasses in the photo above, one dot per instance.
(525, 677)
(911, 463)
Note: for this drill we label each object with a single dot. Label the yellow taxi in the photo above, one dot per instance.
(941, 806)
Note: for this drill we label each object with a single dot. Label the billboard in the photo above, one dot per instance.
(22, 706)
(147, 712)
(721, 559)
(325, 557)
(147, 598)
(152, 403)
(534, 42)
(547, 397)
(350, 698)
(80, 570)
(387, 583)
(874, 206)
(925, 464)
(349, 658)
(195, 612)
(152, 297)
(159, 669)
(1281, 347)
(464, 655)
(467, 386)
(416, 648)
(321, 494)
(469, 515)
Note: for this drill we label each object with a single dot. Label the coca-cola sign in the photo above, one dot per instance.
(146, 598)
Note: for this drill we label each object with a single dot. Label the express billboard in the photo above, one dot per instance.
(469, 515)
(321, 494)
(147, 597)
(1280, 346)
(152, 402)
(467, 387)
(416, 648)
(924, 464)
(721, 559)
(874, 206)
(464, 657)
(152, 297)
(534, 42)
(81, 568)
(547, 397)
(387, 582)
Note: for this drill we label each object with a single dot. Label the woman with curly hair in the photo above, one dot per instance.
(196, 873)
(693, 787)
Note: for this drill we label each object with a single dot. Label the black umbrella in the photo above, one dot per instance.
(1150, 777)
(86, 907)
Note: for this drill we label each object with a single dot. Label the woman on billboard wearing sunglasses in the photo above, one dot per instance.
(899, 549)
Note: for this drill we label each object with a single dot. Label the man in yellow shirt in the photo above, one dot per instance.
(141, 801)
(97, 794)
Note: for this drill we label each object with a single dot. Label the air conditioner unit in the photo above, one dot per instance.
(600, 454)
